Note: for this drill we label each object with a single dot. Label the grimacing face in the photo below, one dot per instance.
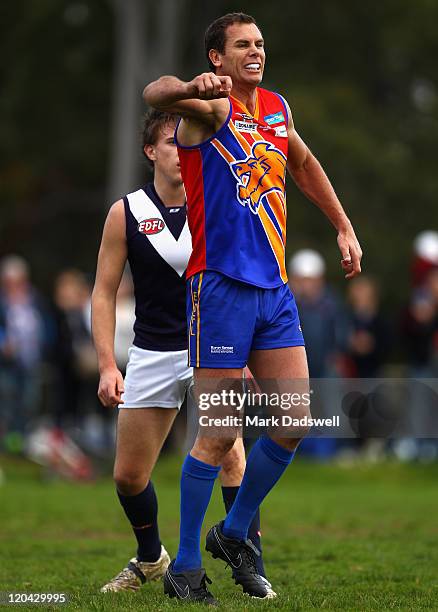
(244, 56)
(164, 154)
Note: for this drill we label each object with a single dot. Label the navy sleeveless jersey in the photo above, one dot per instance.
(159, 247)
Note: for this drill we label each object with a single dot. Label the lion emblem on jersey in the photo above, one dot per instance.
(261, 172)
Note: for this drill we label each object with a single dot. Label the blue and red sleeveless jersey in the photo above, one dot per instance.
(236, 197)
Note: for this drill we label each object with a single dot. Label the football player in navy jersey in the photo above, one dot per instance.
(148, 228)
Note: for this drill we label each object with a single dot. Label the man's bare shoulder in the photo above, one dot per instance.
(115, 222)
(116, 211)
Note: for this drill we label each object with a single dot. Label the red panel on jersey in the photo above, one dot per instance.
(191, 169)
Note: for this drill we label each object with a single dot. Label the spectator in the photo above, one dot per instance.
(418, 332)
(69, 297)
(425, 256)
(26, 332)
(419, 335)
(72, 297)
(325, 332)
(419, 322)
(321, 314)
(369, 339)
(77, 365)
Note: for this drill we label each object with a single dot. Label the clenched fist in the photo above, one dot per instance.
(210, 86)
(111, 387)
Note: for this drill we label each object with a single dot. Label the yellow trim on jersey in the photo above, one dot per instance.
(192, 315)
(223, 151)
(257, 107)
(276, 203)
(274, 240)
(198, 326)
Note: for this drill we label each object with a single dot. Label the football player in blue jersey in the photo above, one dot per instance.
(148, 228)
(235, 142)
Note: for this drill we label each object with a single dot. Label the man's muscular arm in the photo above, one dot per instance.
(189, 99)
(110, 264)
(311, 179)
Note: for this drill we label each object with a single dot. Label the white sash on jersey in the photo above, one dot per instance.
(175, 252)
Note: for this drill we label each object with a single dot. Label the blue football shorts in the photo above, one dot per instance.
(228, 319)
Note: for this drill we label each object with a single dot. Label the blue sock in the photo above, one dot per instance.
(266, 462)
(197, 482)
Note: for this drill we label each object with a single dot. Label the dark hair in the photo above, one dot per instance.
(153, 121)
(215, 34)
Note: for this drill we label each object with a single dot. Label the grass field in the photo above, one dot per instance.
(358, 538)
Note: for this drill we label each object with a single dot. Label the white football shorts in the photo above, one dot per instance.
(156, 379)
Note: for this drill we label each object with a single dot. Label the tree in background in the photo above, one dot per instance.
(361, 79)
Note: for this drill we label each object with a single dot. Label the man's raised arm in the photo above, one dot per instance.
(193, 98)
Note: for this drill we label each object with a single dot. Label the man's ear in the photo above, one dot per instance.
(215, 58)
(149, 151)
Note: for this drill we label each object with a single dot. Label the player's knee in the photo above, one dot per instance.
(304, 419)
(130, 481)
(290, 436)
(296, 424)
(212, 450)
(221, 447)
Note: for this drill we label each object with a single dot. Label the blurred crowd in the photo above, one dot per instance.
(48, 369)
(352, 336)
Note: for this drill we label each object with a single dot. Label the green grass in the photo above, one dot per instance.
(358, 538)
